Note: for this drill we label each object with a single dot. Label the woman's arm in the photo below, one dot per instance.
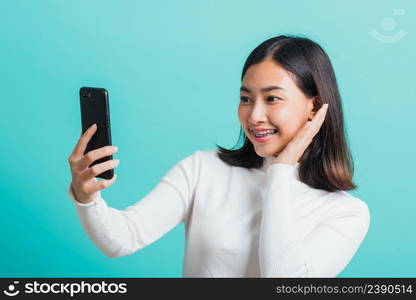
(122, 232)
(324, 252)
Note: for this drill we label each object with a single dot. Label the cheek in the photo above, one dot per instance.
(288, 121)
(282, 119)
(242, 115)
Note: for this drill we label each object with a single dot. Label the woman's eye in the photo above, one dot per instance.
(276, 99)
(242, 99)
(272, 98)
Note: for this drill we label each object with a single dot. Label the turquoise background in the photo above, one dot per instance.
(172, 69)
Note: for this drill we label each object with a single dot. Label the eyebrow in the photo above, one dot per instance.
(265, 89)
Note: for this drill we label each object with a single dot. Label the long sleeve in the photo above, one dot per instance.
(324, 252)
(122, 232)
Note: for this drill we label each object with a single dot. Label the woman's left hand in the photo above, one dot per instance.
(300, 142)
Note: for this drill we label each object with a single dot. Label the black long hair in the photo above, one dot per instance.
(327, 162)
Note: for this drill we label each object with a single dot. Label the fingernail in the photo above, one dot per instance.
(93, 125)
(115, 148)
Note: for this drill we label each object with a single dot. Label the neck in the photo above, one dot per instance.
(269, 160)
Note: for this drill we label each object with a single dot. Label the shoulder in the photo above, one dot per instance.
(204, 157)
(199, 159)
(209, 155)
(349, 205)
(201, 156)
(205, 163)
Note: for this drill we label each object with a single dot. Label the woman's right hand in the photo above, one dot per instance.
(84, 184)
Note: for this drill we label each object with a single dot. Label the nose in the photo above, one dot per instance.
(258, 114)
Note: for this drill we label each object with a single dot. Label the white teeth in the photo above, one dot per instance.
(264, 133)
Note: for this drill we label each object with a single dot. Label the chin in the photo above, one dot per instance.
(266, 154)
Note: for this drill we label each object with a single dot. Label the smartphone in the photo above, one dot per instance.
(95, 108)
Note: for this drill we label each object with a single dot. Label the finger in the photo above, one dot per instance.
(80, 147)
(296, 147)
(93, 155)
(302, 134)
(317, 121)
(311, 128)
(96, 186)
(322, 112)
(98, 169)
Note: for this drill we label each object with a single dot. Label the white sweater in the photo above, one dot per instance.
(238, 222)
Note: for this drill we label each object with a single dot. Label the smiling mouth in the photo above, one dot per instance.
(269, 132)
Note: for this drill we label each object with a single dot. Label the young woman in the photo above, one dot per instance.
(276, 207)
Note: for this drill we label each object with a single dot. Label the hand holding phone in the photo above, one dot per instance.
(84, 183)
(92, 156)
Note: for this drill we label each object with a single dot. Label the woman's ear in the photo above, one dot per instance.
(314, 108)
(311, 115)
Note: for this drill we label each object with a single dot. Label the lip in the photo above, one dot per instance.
(262, 139)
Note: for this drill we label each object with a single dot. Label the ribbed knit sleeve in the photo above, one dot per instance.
(122, 232)
(325, 251)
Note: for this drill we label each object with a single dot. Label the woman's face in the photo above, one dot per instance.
(269, 98)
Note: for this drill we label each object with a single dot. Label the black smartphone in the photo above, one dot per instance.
(95, 108)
